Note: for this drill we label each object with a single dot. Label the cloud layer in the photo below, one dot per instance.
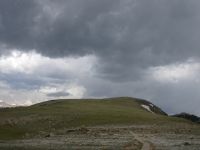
(91, 48)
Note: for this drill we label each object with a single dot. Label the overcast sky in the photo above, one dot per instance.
(149, 49)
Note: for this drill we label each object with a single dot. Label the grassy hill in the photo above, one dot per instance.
(56, 115)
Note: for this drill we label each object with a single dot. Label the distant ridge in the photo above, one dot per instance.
(4, 104)
(188, 116)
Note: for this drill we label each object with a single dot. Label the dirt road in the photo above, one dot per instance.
(145, 144)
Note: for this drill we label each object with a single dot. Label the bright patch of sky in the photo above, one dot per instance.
(177, 72)
(57, 75)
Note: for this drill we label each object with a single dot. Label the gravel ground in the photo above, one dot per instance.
(112, 137)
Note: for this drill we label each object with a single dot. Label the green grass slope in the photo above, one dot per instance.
(51, 116)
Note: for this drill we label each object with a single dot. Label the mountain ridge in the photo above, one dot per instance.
(188, 116)
(4, 104)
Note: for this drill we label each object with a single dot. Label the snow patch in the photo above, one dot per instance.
(1, 101)
(147, 108)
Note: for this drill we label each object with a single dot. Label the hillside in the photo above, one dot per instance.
(56, 115)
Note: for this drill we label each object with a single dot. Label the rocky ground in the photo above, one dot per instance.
(136, 137)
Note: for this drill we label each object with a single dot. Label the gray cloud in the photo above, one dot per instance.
(22, 81)
(16, 21)
(58, 94)
(122, 33)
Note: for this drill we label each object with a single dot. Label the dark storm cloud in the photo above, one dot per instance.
(58, 94)
(31, 25)
(128, 36)
(16, 22)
